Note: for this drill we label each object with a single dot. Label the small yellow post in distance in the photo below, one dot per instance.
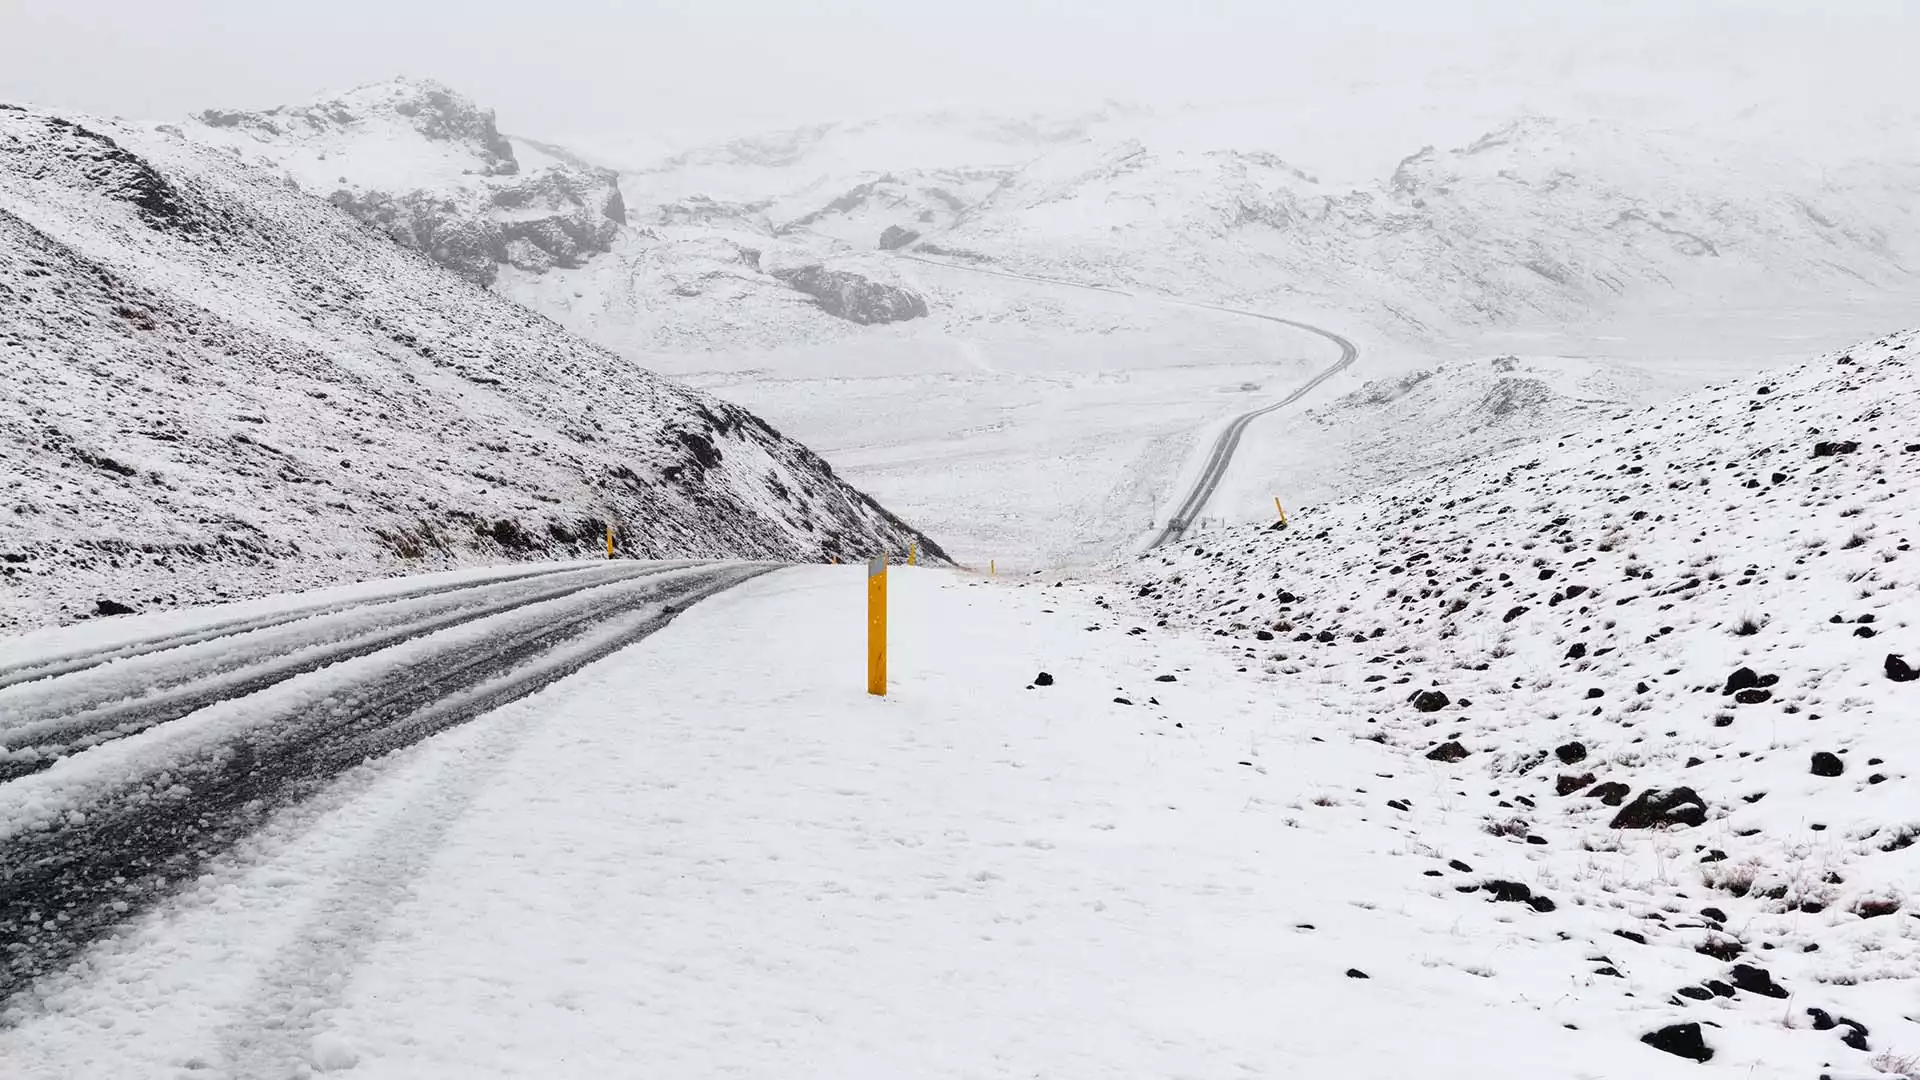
(877, 626)
(991, 572)
(609, 541)
(913, 554)
(1281, 509)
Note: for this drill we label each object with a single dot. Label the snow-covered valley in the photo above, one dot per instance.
(423, 656)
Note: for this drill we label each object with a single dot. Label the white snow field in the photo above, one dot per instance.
(715, 855)
(1587, 759)
(1642, 242)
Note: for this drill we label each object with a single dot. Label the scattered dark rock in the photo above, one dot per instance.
(1831, 449)
(1855, 1035)
(1460, 866)
(1431, 700)
(1898, 671)
(1633, 936)
(1742, 679)
(1714, 913)
(1567, 785)
(1447, 751)
(1612, 793)
(1595, 692)
(1821, 1020)
(1696, 993)
(1577, 650)
(1165, 678)
(1571, 753)
(1755, 696)
(1043, 679)
(111, 607)
(1756, 980)
(1680, 1040)
(1827, 764)
(1724, 949)
(1356, 973)
(1656, 807)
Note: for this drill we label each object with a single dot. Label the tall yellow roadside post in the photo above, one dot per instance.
(609, 541)
(877, 626)
(913, 554)
(1282, 510)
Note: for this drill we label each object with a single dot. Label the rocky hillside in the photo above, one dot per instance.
(1644, 694)
(429, 168)
(542, 225)
(217, 385)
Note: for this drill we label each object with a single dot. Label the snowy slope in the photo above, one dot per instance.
(429, 168)
(1536, 219)
(217, 385)
(1710, 599)
(548, 228)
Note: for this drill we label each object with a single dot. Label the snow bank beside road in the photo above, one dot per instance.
(714, 854)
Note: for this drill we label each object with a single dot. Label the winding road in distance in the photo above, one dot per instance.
(1220, 455)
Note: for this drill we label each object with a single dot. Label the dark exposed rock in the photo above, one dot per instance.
(894, 237)
(1447, 751)
(1898, 671)
(1043, 679)
(1681, 1040)
(1754, 696)
(111, 607)
(1567, 785)
(1756, 980)
(1826, 763)
(1742, 679)
(1431, 700)
(857, 299)
(1612, 793)
(1657, 807)
(1571, 753)
(1356, 973)
(1830, 449)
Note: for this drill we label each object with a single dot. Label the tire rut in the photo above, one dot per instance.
(68, 884)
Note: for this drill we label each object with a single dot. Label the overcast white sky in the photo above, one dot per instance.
(680, 69)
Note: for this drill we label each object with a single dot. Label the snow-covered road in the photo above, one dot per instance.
(1218, 455)
(195, 732)
(713, 854)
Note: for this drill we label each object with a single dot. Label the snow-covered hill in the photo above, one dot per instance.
(1650, 685)
(546, 227)
(429, 168)
(218, 385)
(1535, 220)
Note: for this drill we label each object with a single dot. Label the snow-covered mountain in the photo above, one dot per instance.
(218, 385)
(429, 168)
(1651, 686)
(1536, 220)
(544, 226)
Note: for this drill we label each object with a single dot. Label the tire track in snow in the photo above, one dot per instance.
(70, 663)
(60, 717)
(1220, 454)
(95, 841)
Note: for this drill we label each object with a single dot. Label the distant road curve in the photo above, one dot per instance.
(1220, 455)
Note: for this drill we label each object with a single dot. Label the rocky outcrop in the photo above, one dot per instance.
(849, 296)
(484, 212)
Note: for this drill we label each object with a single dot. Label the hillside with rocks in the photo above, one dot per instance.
(543, 225)
(217, 385)
(1642, 694)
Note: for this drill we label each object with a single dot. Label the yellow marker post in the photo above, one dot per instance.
(609, 541)
(1281, 509)
(991, 572)
(877, 626)
(913, 554)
